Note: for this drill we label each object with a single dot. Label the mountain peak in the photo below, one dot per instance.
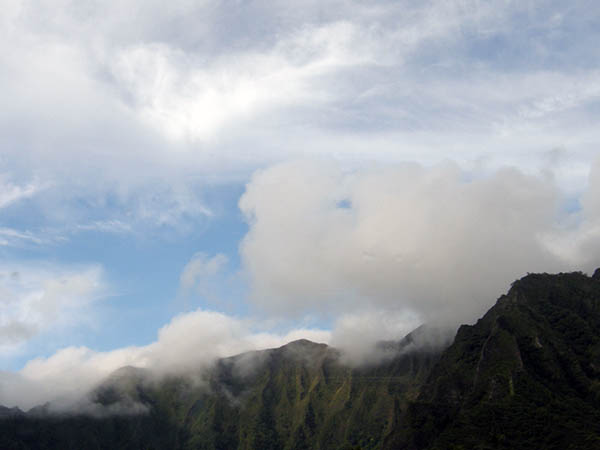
(527, 374)
(304, 350)
(10, 412)
(303, 343)
(534, 358)
(128, 371)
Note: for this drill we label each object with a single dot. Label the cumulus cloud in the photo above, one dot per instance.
(187, 344)
(37, 298)
(434, 241)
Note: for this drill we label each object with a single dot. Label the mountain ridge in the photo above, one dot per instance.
(525, 375)
(534, 355)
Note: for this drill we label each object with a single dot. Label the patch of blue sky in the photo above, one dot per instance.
(143, 274)
(571, 205)
(344, 204)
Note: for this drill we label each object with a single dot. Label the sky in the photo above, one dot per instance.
(187, 181)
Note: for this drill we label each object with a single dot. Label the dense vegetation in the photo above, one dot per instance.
(526, 375)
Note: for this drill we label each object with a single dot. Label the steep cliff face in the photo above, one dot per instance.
(526, 375)
(301, 396)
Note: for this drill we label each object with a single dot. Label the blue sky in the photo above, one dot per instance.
(227, 175)
(132, 309)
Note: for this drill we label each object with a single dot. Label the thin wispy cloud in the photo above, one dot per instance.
(105, 226)
(12, 237)
(11, 193)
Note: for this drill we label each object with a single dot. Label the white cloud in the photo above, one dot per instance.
(189, 343)
(11, 237)
(578, 241)
(590, 202)
(427, 240)
(95, 95)
(357, 333)
(383, 248)
(105, 226)
(37, 298)
(11, 193)
(200, 268)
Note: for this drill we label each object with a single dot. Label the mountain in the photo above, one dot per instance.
(526, 375)
(298, 396)
(10, 412)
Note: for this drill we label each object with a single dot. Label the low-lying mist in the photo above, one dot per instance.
(187, 347)
(189, 344)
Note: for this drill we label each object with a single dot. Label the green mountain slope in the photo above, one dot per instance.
(526, 376)
(299, 396)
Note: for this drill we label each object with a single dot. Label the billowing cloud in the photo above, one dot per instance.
(433, 241)
(357, 333)
(187, 344)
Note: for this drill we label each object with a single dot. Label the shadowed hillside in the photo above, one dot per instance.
(526, 375)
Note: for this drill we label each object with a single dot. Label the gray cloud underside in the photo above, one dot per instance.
(432, 241)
